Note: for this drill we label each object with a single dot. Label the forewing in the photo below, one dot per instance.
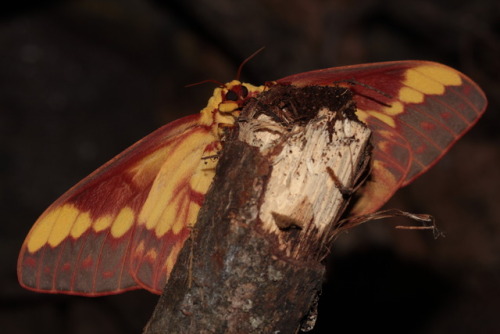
(416, 109)
(82, 244)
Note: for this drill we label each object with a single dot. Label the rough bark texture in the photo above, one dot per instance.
(239, 273)
(236, 280)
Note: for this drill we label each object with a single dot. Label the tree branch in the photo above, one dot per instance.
(253, 261)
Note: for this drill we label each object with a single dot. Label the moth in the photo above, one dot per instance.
(122, 227)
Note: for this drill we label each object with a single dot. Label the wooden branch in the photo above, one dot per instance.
(253, 261)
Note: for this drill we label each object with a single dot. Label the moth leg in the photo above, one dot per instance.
(345, 191)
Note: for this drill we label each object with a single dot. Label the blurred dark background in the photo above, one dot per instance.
(82, 80)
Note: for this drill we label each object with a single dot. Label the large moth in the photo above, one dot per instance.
(122, 227)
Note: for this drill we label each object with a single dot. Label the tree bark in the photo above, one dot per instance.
(253, 263)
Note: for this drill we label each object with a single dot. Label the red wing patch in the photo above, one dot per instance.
(84, 242)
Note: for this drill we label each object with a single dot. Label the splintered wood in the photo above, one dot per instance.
(316, 152)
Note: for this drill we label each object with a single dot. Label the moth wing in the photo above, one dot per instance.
(416, 110)
(86, 242)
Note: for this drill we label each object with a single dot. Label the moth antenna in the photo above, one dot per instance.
(238, 74)
(205, 81)
(354, 82)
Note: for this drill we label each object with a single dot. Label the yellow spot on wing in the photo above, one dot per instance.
(171, 188)
(202, 178)
(102, 223)
(62, 224)
(42, 229)
(176, 170)
(191, 220)
(151, 255)
(410, 95)
(123, 222)
(139, 250)
(81, 225)
(394, 109)
(423, 83)
(188, 218)
(444, 75)
(168, 217)
(363, 115)
(375, 193)
(427, 79)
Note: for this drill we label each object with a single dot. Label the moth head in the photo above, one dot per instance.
(235, 93)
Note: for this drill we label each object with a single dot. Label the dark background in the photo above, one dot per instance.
(82, 80)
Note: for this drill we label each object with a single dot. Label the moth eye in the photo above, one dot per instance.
(231, 96)
(244, 91)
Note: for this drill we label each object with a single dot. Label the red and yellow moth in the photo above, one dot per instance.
(122, 227)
